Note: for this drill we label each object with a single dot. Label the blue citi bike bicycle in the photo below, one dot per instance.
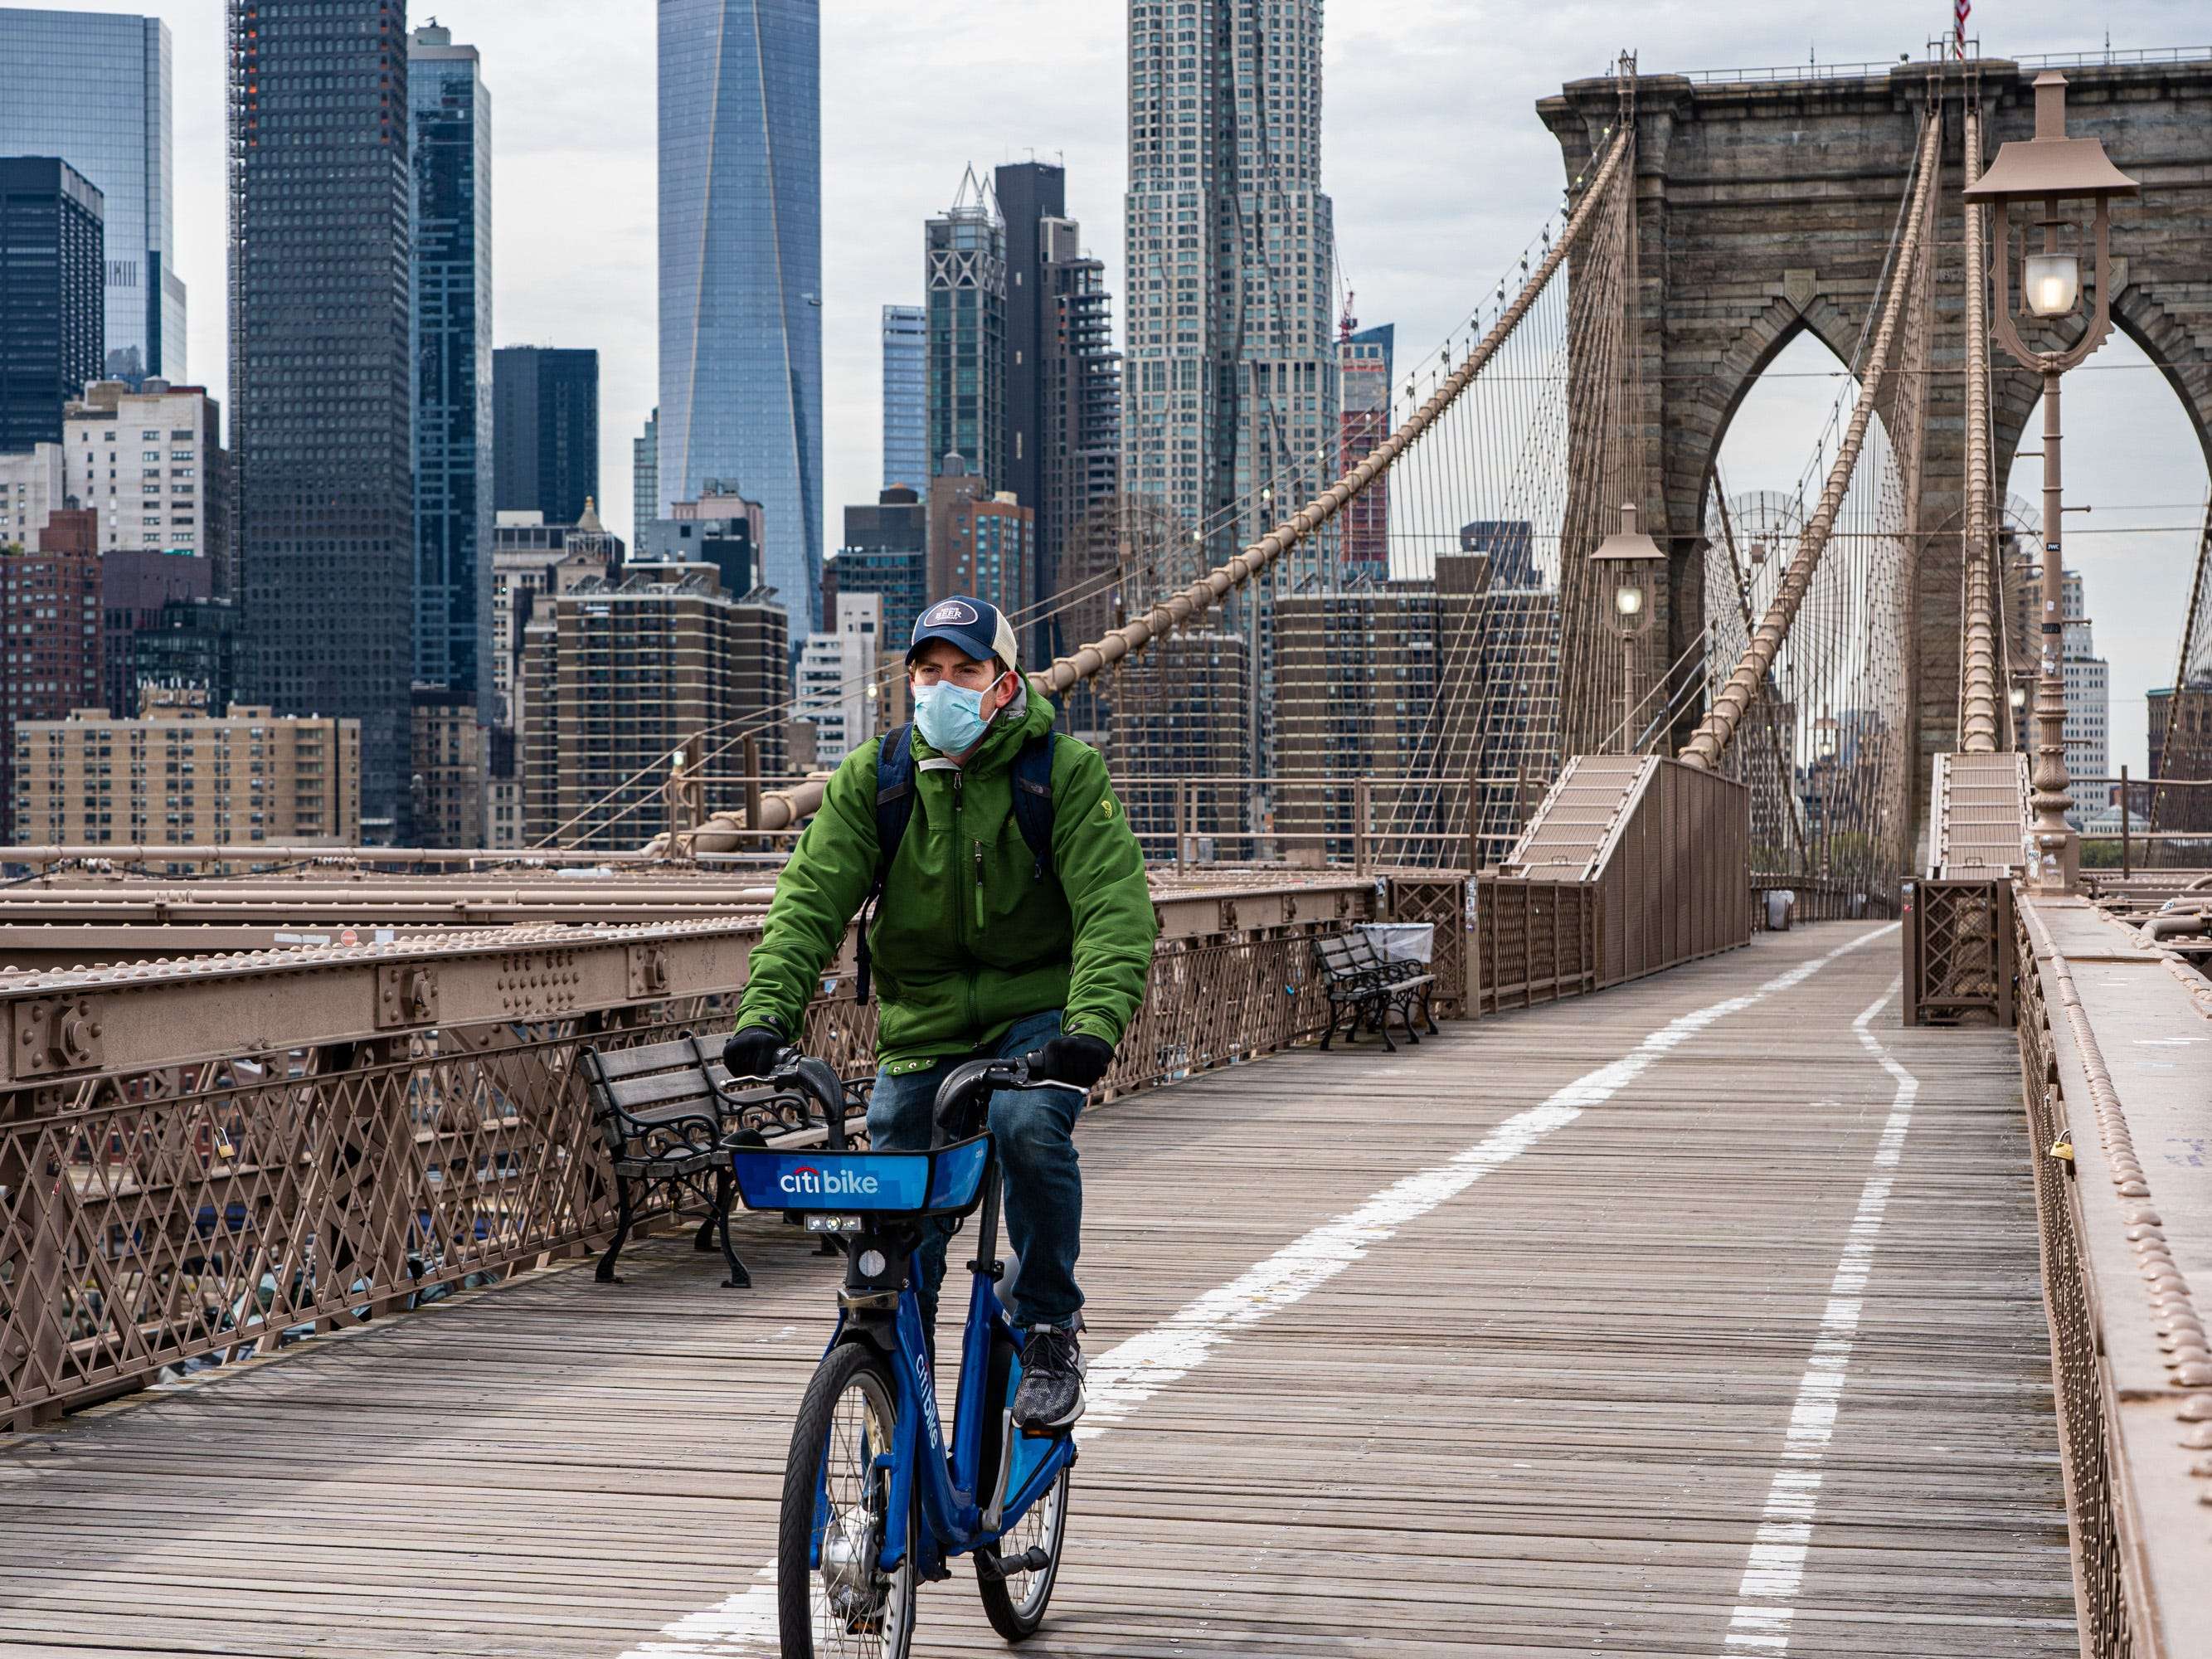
(874, 1504)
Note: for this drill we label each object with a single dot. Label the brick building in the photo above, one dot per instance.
(616, 675)
(179, 776)
(50, 636)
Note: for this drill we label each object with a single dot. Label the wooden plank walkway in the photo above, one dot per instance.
(1704, 1353)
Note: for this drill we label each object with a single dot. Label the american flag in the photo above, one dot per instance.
(1959, 11)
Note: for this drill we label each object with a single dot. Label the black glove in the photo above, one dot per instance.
(1073, 1057)
(752, 1051)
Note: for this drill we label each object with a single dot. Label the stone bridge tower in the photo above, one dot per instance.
(1766, 209)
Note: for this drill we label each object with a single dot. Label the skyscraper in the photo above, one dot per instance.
(93, 89)
(449, 109)
(1079, 428)
(50, 296)
(741, 271)
(965, 263)
(322, 390)
(645, 474)
(150, 462)
(906, 397)
(547, 431)
(1029, 193)
(1362, 364)
(886, 551)
(1063, 376)
(2089, 683)
(1230, 381)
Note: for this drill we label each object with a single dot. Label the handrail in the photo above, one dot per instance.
(1977, 725)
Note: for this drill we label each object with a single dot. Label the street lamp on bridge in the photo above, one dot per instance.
(2053, 169)
(1627, 557)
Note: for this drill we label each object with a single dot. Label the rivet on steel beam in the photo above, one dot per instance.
(2196, 1411)
(2198, 1438)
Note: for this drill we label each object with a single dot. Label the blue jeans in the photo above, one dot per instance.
(1034, 1131)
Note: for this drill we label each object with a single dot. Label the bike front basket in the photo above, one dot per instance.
(946, 1181)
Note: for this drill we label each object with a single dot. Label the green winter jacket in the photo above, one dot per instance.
(967, 939)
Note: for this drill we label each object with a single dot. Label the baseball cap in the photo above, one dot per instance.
(980, 630)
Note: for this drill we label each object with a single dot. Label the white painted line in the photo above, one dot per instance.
(1125, 1377)
(1766, 1599)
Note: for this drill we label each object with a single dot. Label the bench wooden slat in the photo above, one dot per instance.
(634, 1093)
(617, 1063)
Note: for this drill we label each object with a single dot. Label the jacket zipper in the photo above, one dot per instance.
(959, 922)
(979, 886)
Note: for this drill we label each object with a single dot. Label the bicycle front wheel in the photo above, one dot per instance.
(1015, 1575)
(846, 1608)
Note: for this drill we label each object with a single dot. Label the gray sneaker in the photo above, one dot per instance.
(1050, 1398)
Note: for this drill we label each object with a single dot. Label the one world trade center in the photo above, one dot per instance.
(741, 274)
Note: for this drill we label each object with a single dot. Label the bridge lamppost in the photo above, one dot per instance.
(1627, 557)
(2053, 169)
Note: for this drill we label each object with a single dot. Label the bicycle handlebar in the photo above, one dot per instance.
(967, 1087)
(817, 1080)
(955, 1113)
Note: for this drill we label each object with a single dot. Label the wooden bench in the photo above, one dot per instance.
(668, 1113)
(1364, 989)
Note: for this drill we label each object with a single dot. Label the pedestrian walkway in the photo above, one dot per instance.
(1699, 1317)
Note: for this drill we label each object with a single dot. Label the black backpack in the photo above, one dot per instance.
(895, 769)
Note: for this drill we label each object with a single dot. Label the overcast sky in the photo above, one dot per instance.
(1439, 169)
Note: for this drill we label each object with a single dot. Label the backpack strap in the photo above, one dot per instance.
(894, 796)
(1032, 773)
(894, 811)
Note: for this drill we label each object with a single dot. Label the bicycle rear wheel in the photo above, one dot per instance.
(1014, 1593)
(848, 1607)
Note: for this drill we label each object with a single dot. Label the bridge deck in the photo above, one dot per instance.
(1688, 1318)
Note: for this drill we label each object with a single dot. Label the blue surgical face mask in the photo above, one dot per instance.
(950, 716)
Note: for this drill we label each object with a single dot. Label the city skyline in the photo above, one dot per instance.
(911, 90)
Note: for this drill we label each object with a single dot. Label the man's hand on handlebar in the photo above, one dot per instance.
(1075, 1058)
(753, 1050)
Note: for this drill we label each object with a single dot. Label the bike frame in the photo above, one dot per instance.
(951, 1490)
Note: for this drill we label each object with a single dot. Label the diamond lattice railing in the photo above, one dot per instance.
(153, 1213)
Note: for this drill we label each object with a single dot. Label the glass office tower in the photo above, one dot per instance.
(546, 431)
(450, 137)
(322, 389)
(93, 89)
(50, 304)
(741, 273)
(906, 397)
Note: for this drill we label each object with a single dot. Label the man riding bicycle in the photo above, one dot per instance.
(1013, 919)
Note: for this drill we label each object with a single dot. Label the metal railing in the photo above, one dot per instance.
(2130, 1367)
(2090, 57)
(2086, 57)
(200, 1156)
(1535, 941)
(1958, 944)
